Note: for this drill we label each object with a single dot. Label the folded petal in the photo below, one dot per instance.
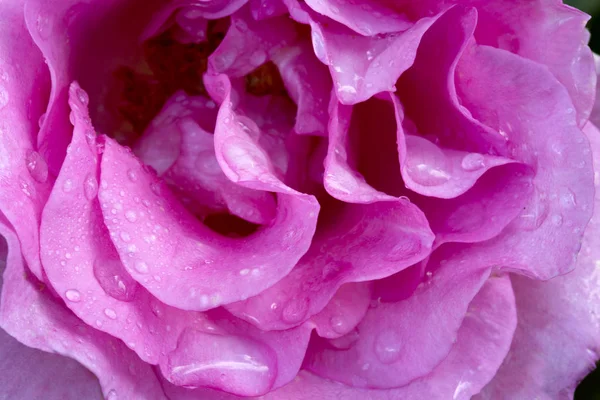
(354, 243)
(30, 313)
(481, 344)
(361, 66)
(24, 175)
(387, 354)
(557, 341)
(523, 100)
(197, 268)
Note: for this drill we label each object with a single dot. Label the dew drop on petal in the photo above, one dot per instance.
(37, 167)
(387, 346)
(73, 295)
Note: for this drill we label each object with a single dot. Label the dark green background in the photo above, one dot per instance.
(589, 389)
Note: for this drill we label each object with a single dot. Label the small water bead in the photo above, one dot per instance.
(387, 346)
(473, 162)
(67, 186)
(557, 219)
(141, 267)
(338, 324)
(125, 236)
(112, 395)
(73, 295)
(37, 167)
(110, 313)
(82, 96)
(131, 216)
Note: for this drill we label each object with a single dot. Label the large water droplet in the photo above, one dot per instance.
(295, 310)
(235, 364)
(110, 313)
(141, 267)
(535, 213)
(90, 187)
(426, 164)
(73, 295)
(338, 324)
(473, 162)
(37, 167)
(112, 395)
(82, 96)
(387, 346)
(114, 279)
(43, 26)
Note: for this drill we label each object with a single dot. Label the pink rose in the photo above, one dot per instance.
(323, 199)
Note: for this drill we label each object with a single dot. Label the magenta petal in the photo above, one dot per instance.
(387, 354)
(29, 313)
(534, 102)
(181, 261)
(484, 211)
(365, 17)
(482, 341)
(344, 311)
(24, 176)
(264, 9)
(360, 66)
(359, 243)
(553, 34)
(179, 147)
(309, 84)
(557, 340)
(249, 43)
(33, 374)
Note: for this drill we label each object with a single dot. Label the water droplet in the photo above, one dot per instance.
(131, 216)
(244, 271)
(73, 295)
(535, 212)
(125, 236)
(141, 267)
(426, 164)
(112, 395)
(295, 310)
(236, 364)
(338, 324)
(557, 219)
(388, 344)
(473, 162)
(90, 187)
(41, 120)
(67, 186)
(132, 175)
(43, 26)
(257, 58)
(82, 96)
(37, 167)
(114, 279)
(3, 97)
(567, 199)
(110, 313)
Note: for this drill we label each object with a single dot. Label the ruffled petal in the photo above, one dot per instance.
(181, 150)
(24, 175)
(29, 313)
(360, 66)
(483, 341)
(387, 354)
(553, 34)
(522, 99)
(557, 340)
(198, 269)
(354, 243)
(365, 17)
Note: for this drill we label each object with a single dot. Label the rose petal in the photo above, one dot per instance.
(387, 354)
(557, 340)
(264, 9)
(356, 243)
(523, 100)
(178, 146)
(309, 84)
(29, 313)
(364, 17)
(553, 34)
(249, 43)
(483, 340)
(24, 176)
(360, 66)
